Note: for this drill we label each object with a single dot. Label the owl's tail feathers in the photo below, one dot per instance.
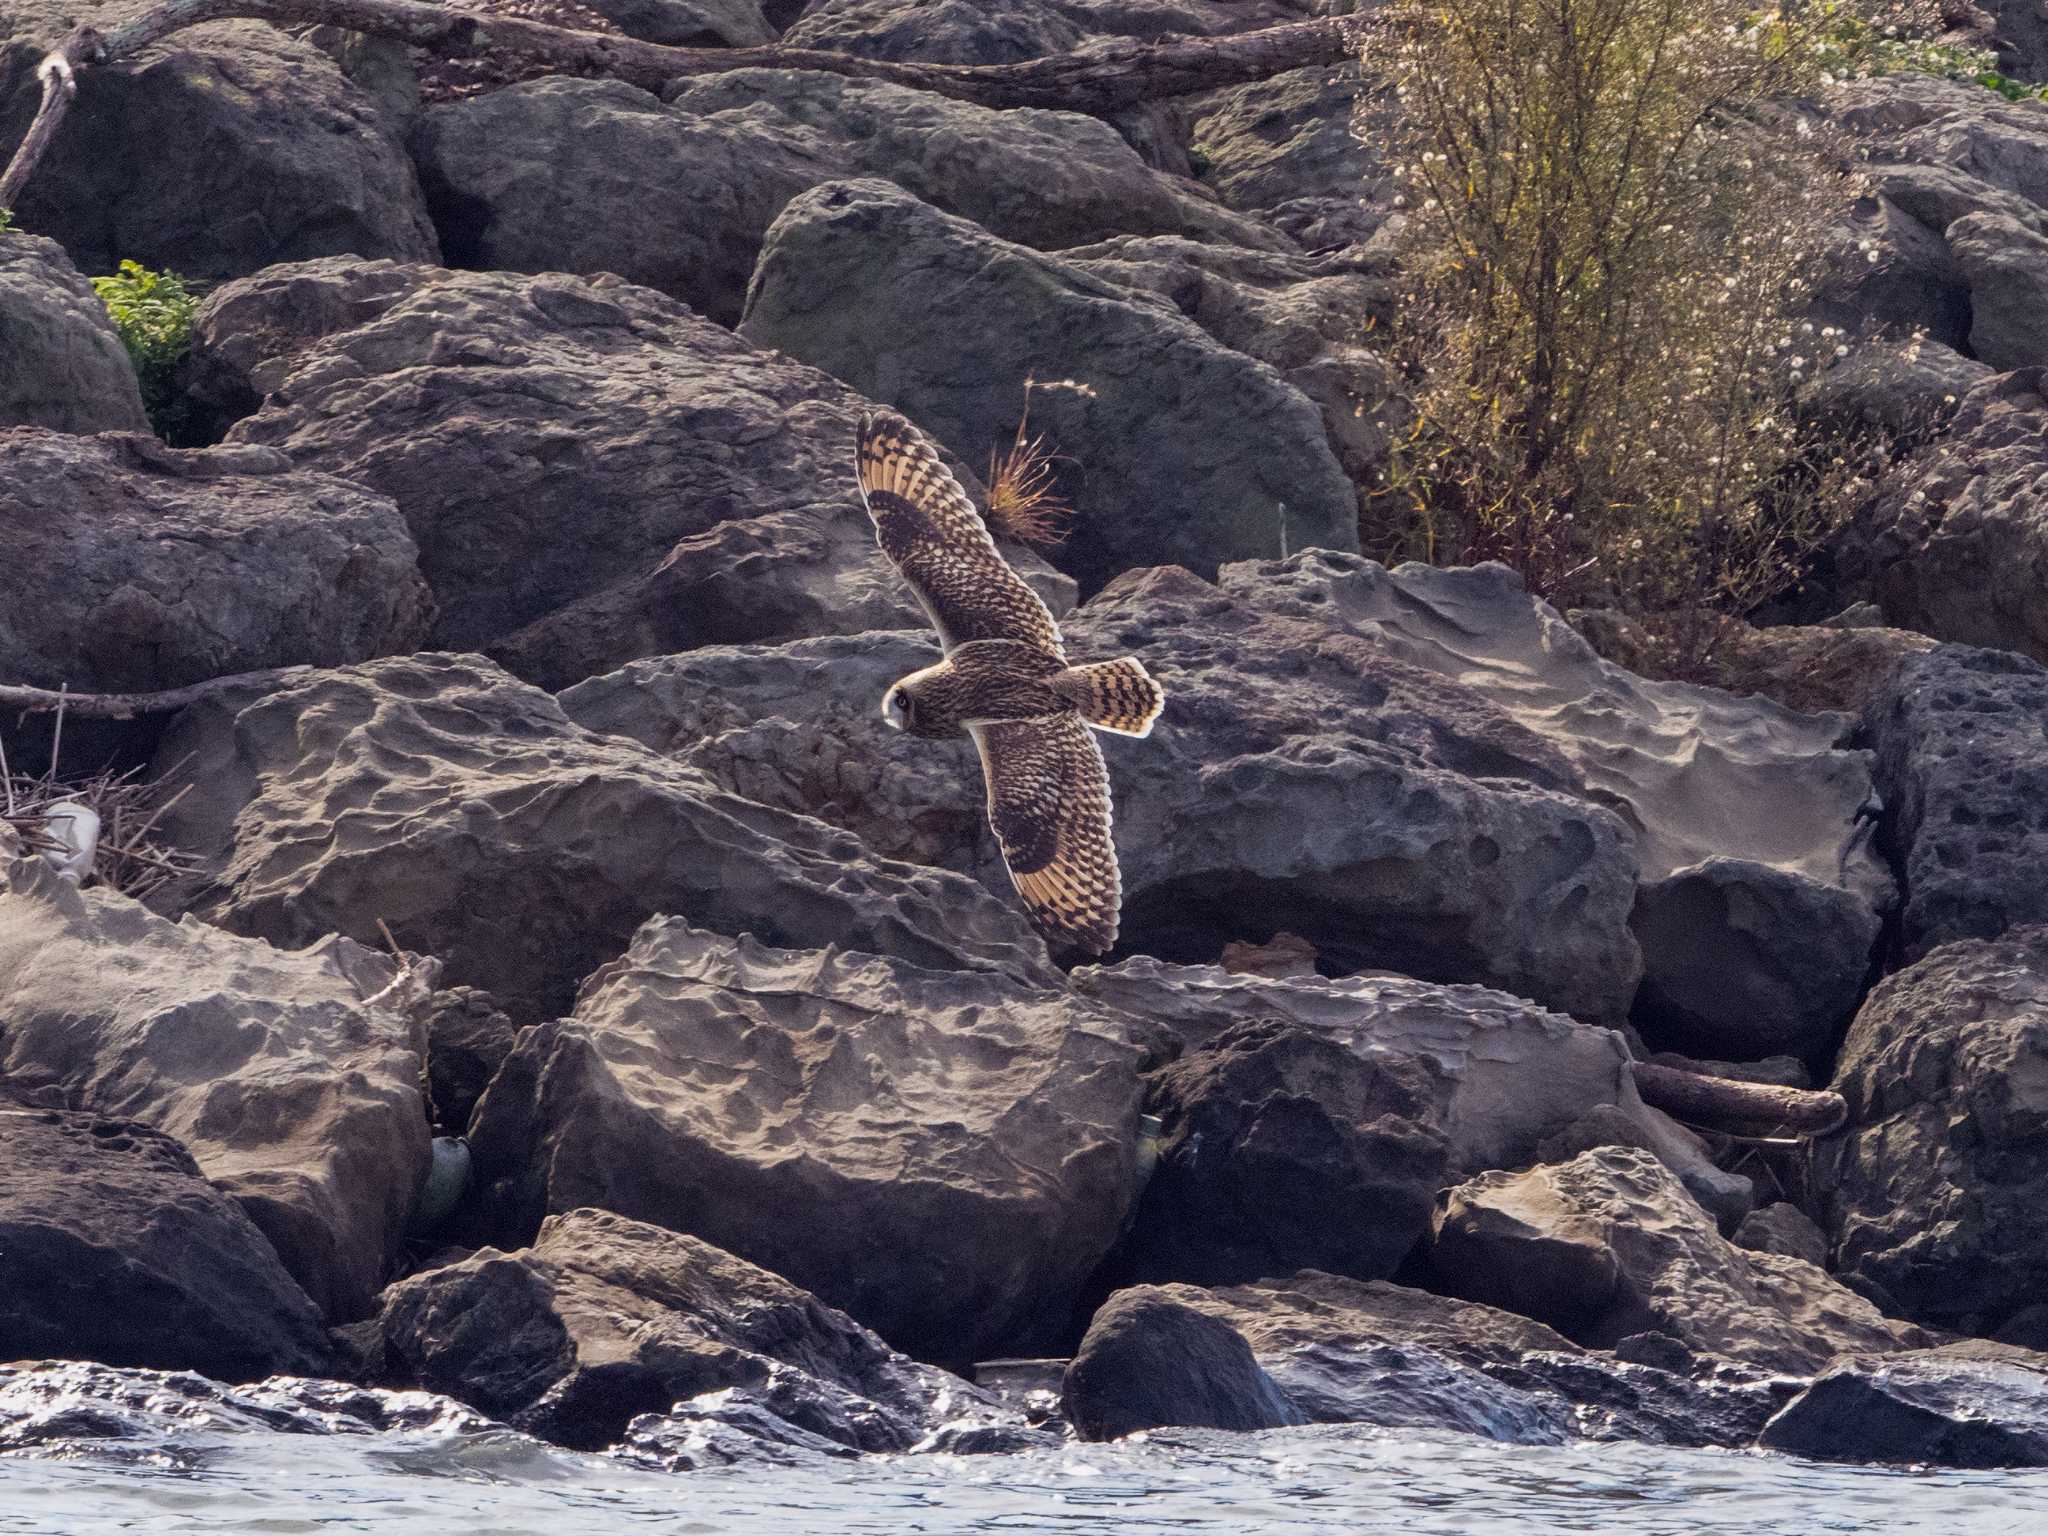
(1115, 696)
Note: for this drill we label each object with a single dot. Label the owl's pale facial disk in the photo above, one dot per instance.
(896, 708)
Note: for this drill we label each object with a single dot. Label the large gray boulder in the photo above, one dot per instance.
(1306, 316)
(1503, 1077)
(1289, 149)
(1955, 544)
(2006, 266)
(1958, 735)
(552, 442)
(1371, 1352)
(604, 1319)
(689, 23)
(295, 1098)
(113, 1247)
(61, 364)
(230, 148)
(552, 175)
(1931, 1192)
(1610, 1245)
(1760, 895)
(1177, 449)
(945, 1155)
(463, 808)
(135, 566)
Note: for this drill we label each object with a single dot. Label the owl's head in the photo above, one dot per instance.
(896, 707)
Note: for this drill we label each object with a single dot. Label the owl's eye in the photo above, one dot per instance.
(896, 708)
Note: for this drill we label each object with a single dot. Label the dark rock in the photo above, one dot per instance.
(232, 148)
(604, 1319)
(1782, 1229)
(1304, 778)
(1178, 449)
(945, 1155)
(936, 31)
(1960, 767)
(1369, 1352)
(113, 1247)
(1933, 1188)
(1756, 930)
(1890, 273)
(1148, 1362)
(294, 1098)
(1302, 315)
(1954, 543)
(531, 848)
(1503, 1075)
(550, 441)
(61, 364)
(1610, 1245)
(468, 1039)
(135, 566)
(1926, 1407)
(2006, 266)
(689, 23)
(1288, 148)
(1282, 1149)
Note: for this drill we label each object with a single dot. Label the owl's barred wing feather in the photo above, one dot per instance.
(930, 530)
(1048, 800)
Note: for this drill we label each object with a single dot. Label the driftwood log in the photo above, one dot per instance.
(1097, 78)
(1723, 1103)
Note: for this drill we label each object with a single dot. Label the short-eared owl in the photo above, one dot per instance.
(1005, 681)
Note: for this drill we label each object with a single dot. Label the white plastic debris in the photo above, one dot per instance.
(75, 829)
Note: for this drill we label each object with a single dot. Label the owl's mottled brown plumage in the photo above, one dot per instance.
(1006, 682)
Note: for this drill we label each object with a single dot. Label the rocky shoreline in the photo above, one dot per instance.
(719, 1103)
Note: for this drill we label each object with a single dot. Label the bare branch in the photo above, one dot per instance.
(1725, 1103)
(126, 706)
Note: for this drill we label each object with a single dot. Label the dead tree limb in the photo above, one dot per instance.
(126, 706)
(1100, 77)
(1726, 1102)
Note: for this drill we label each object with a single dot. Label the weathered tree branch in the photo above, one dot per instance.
(1101, 77)
(126, 706)
(1725, 1103)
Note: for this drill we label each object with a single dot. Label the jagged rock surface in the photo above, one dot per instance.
(465, 809)
(946, 1156)
(1958, 735)
(1761, 897)
(1610, 1245)
(292, 1097)
(1932, 1190)
(604, 1319)
(113, 1247)
(1977, 1406)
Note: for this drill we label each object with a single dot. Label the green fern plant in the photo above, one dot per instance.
(152, 313)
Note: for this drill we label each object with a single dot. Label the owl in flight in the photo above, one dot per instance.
(1005, 681)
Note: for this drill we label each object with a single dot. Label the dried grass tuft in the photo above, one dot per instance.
(1024, 502)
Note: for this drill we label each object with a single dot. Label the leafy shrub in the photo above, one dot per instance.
(152, 312)
(1610, 232)
(1903, 39)
(6, 220)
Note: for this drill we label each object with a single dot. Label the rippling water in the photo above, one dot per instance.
(1321, 1479)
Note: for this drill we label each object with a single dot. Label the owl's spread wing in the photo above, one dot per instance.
(1048, 800)
(927, 526)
